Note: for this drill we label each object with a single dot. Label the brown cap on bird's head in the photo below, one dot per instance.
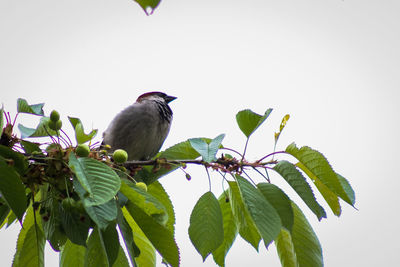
(166, 97)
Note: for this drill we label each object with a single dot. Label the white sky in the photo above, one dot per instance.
(332, 65)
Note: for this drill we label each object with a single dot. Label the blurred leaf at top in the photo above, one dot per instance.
(249, 121)
(80, 135)
(148, 5)
(24, 107)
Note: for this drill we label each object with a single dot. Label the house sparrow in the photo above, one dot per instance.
(141, 128)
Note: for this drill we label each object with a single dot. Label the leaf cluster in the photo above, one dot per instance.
(89, 207)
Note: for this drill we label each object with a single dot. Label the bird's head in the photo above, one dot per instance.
(156, 96)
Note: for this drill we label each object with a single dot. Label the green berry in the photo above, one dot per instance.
(142, 186)
(120, 156)
(55, 126)
(82, 150)
(54, 116)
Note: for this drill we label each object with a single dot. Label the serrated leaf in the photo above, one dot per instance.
(24, 107)
(72, 255)
(98, 179)
(146, 202)
(148, 5)
(264, 215)
(41, 130)
(102, 214)
(280, 201)
(306, 244)
(247, 229)
(80, 135)
(207, 150)
(160, 237)
(147, 256)
(206, 229)
(12, 189)
(285, 249)
(328, 195)
(249, 121)
(347, 188)
(230, 230)
(297, 181)
(320, 167)
(158, 191)
(30, 244)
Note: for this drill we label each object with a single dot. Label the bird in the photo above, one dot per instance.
(141, 128)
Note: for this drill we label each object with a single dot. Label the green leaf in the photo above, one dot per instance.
(98, 179)
(11, 219)
(285, 249)
(148, 5)
(261, 211)
(12, 189)
(76, 226)
(156, 190)
(1, 120)
(121, 260)
(4, 212)
(247, 229)
(347, 188)
(42, 130)
(206, 229)
(24, 107)
(146, 202)
(320, 167)
(102, 214)
(110, 242)
(52, 225)
(95, 254)
(147, 257)
(249, 121)
(280, 201)
(18, 160)
(328, 195)
(306, 245)
(80, 135)
(281, 127)
(30, 147)
(127, 236)
(30, 244)
(297, 181)
(207, 151)
(72, 255)
(180, 151)
(230, 229)
(161, 238)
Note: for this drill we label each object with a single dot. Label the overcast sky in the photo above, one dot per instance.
(332, 65)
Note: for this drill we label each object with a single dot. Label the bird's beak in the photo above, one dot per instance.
(169, 98)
